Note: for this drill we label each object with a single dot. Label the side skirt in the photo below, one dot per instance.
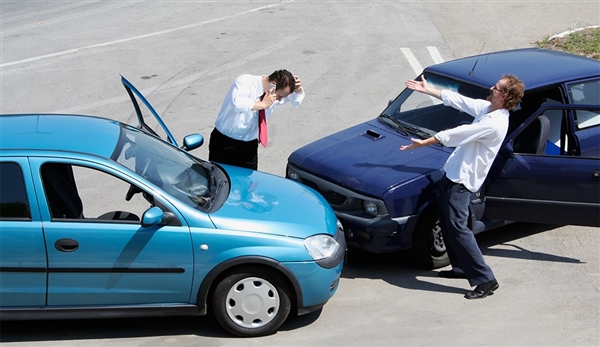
(37, 313)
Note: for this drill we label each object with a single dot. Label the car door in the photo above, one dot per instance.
(557, 186)
(152, 125)
(98, 251)
(22, 249)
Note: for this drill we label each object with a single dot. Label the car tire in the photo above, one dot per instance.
(251, 302)
(428, 249)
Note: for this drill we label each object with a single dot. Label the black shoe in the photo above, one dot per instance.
(451, 274)
(483, 290)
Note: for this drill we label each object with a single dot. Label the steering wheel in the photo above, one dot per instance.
(133, 189)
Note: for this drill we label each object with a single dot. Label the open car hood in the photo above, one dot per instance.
(367, 159)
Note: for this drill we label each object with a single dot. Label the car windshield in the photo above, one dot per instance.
(187, 178)
(423, 115)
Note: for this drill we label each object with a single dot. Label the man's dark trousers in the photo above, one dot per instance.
(462, 248)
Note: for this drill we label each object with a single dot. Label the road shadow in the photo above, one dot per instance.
(398, 269)
(395, 268)
(95, 329)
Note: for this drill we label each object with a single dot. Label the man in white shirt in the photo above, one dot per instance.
(477, 145)
(235, 137)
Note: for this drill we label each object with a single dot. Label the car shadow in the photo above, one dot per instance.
(395, 268)
(91, 329)
(94, 329)
(398, 269)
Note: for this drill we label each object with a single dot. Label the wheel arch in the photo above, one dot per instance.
(213, 277)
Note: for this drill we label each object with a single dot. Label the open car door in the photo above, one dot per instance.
(142, 122)
(555, 184)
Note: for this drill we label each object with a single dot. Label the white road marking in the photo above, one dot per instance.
(435, 54)
(110, 43)
(414, 63)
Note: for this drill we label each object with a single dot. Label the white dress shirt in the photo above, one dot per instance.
(236, 118)
(476, 144)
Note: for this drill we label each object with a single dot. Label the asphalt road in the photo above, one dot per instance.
(353, 56)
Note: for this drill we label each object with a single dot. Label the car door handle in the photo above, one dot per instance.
(597, 175)
(66, 245)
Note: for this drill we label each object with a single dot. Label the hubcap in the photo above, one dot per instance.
(438, 240)
(252, 302)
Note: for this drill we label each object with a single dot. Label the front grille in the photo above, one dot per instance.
(332, 197)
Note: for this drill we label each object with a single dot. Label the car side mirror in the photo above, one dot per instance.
(155, 216)
(192, 141)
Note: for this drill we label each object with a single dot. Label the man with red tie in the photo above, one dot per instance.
(241, 123)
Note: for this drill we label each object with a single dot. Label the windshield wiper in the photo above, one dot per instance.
(423, 134)
(396, 122)
(419, 132)
(407, 128)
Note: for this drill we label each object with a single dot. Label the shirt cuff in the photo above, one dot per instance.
(441, 136)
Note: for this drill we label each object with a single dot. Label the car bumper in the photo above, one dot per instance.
(378, 235)
(317, 284)
(374, 234)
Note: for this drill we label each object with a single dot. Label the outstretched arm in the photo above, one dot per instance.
(416, 143)
(422, 87)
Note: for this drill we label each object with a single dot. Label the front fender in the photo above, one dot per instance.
(216, 272)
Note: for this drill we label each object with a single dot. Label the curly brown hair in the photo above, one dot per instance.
(514, 90)
(283, 78)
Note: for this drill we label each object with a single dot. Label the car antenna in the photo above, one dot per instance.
(476, 60)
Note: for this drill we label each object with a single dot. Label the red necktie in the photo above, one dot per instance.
(262, 126)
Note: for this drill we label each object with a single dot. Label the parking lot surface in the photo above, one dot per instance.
(352, 56)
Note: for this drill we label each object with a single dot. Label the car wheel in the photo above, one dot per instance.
(251, 302)
(428, 248)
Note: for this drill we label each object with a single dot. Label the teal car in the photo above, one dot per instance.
(103, 219)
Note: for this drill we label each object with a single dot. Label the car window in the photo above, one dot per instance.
(82, 193)
(185, 177)
(429, 113)
(13, 195)
(545, 135)
(586, 93)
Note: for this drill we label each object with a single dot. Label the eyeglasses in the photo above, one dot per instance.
(495, 87)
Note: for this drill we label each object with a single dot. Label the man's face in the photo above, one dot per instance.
(282, 93)
(497, 92)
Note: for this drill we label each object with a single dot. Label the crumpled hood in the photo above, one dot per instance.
(262, 202)
(366, 158)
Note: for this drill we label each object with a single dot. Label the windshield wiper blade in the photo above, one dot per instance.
(398, 124)
(419, 132)
(408, 128)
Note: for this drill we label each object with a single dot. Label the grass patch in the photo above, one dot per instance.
(585, 42)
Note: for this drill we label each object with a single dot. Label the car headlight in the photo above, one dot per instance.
(370, 208)
(321, 246)
(292, 174)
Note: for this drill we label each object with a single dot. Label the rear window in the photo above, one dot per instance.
(13, 196)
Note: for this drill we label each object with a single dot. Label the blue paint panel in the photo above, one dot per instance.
(60, 132)
(119, 264)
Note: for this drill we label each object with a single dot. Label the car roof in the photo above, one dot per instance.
(535, 67)
(76, 133)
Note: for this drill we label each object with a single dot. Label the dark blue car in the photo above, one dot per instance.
(547, 171)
